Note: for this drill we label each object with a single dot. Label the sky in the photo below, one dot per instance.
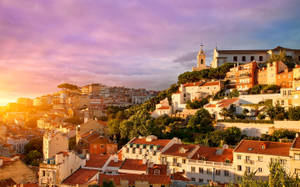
(134, 43)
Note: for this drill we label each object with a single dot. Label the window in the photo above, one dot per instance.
(239, 157)
(201, 61)
(235, 59)
(208, 171)
(260, 158)
(226, 173)
(247, 158)
(193, 169)
(133, 150)
(259, 170)
(218, 172)
(200, 170)
(282, 102)
(44, 173)
(200, 180)
(193, 179)
(239, 168)
(175, 160)
(248, 169)
(283, 162)
(261, 58)
(127, 150)
(140, 151)
(297, 156)
(298, 58)
(243, 58)
(183, 161)
(252, 58)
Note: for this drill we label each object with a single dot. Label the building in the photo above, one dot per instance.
(215, 107)
(255, 156)
(89, 126)
(54, 142)
(149, 148)
(243, 77)
(53, 171)
(200, 61)
(162, 108)
(221, 57)
(82, 178)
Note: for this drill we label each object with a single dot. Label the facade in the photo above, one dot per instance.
(163, 108)
(243, 77)
(255, 156)
(54, 142)
(221, 57)
(53, 171)
(215, 107)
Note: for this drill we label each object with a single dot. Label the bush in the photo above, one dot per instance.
(246, 121)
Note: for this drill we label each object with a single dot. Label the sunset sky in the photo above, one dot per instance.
(134, 43)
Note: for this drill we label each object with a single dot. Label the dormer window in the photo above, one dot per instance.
(156, 172)
(182, 150)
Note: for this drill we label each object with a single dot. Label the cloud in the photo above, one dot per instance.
(136, 44)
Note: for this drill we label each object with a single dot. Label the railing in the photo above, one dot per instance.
(210, 163)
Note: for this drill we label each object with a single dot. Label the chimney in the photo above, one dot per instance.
(115, 159)
(264, 146)
(297, 135)
(88, 156)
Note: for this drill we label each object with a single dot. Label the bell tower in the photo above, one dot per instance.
(200, 60)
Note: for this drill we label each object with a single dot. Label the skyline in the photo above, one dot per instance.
(137, 44)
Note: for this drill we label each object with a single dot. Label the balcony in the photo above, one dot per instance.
(251, 162)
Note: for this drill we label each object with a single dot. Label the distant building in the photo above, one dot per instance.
(162, 108)
(221, 57)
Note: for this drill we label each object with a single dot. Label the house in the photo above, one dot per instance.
(255, 156)
(215, 107)
(163, 108)
(91, 125)
(81, 178)
(53, 171)
(243, 77)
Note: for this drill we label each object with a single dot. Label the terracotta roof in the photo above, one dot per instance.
(213, 154)
(134, 164)
(163, 108)
(227, 102)
(97, 161)
(210, 106)
(64, 153)
(81, 176)
(179, 176)
(263, 147)
(193, 84)
(112, 163)
(7, 182)
(132, 178)
(160, 142)
(296, 143)
(181, 150)
(27, 185)
(213, 83)
(162, 168)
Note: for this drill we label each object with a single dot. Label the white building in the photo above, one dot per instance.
(162, 108)
(215, 107)
(243, 56)
(54, 170)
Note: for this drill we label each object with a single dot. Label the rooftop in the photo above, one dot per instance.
(264, 147)
(97, 161)
(159, 142)
(213, 154)
(132, 178)
(182, 150)
(81, 176)
(134, 164)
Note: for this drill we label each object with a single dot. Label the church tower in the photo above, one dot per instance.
(200, 60)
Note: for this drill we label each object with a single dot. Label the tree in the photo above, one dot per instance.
(233, 135)
(277, 113)
(201, 122)
(234, 93)
(294, 113)
(33, 158)
(230, 112)
(196, 104)
(114, 127)
(108, 184)
(68, 86)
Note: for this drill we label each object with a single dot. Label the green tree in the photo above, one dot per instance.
(196, 104)
(33, 158)
(114, 127)
(201, 122)
(294, 113)
(232, 135)
(234, 93)
(107, 184)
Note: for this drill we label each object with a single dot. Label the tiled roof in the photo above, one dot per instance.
(213, 83)
(210, 106)
(162, 168)
(112, 163)
(296, 143)
(81, 176)
(27, 185)
(227, 102)
(7, 182)
(181, 150)
(263, 147)
(163, 108)
(132, 178)
(134, 164)
(160, 142)
(97, 161)
(213, 154)
(193, 84)
(179, 176)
